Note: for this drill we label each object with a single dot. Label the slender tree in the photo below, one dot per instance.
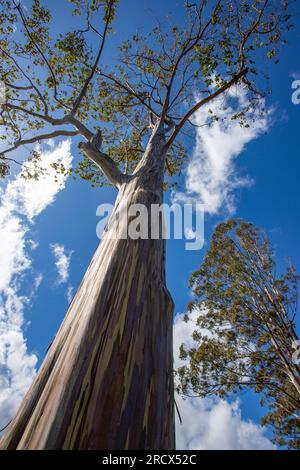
(245, 333)
(107, 380)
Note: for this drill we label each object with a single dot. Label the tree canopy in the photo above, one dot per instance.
(58, 84)
(245, 329)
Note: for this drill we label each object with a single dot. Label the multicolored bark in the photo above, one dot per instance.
(107, 380)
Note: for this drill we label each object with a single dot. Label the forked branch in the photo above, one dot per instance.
(92, 150)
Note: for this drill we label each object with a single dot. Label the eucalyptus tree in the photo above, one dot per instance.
(245, 334)
(107, 380)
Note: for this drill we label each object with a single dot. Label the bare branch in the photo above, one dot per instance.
(82, 129)
(18, 87)
(245, 36)
(191, 43)
(129, 90)
(68, 119)
(94, 68)
(43, 117)
(24, 21)
(27, 78)
(38, 138)
(92, 151)
(201, 103)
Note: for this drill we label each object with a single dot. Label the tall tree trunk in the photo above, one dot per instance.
(107, 380)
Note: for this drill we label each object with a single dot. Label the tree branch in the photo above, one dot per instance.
(38, 138)
(32, 85)
(43, 117)
(92, 151)
(68, 119)
(37, 47)
(18, 87)
(191, 43)
(201, 103)
(82, 129)
(94, 68)
(129, 90)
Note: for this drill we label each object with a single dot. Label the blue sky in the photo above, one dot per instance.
(270, 159)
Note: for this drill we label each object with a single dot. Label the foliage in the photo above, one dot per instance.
(59, 81)
(245, 328)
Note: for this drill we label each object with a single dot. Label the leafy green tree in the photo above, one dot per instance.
(107, 380)
(245, 333)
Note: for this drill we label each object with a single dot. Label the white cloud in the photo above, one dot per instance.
(216, 424)
(69, 293)
(37, 282)
(211, 177)
(20, 203)
(33, 244)
(62, 262)
(295, 75)
(32, 198)
(211, 423)
(62, 259)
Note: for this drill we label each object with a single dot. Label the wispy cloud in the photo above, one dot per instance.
(69, 293)
(295, 75)
(62, 259)
(209, 423)
(211, 176)
(20, 203)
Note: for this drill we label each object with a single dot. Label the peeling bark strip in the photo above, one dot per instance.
(107, 380)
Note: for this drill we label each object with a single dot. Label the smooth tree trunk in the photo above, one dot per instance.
(107, 380)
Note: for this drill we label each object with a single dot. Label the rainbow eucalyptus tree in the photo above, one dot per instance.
(245, 335)
(107, 379)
